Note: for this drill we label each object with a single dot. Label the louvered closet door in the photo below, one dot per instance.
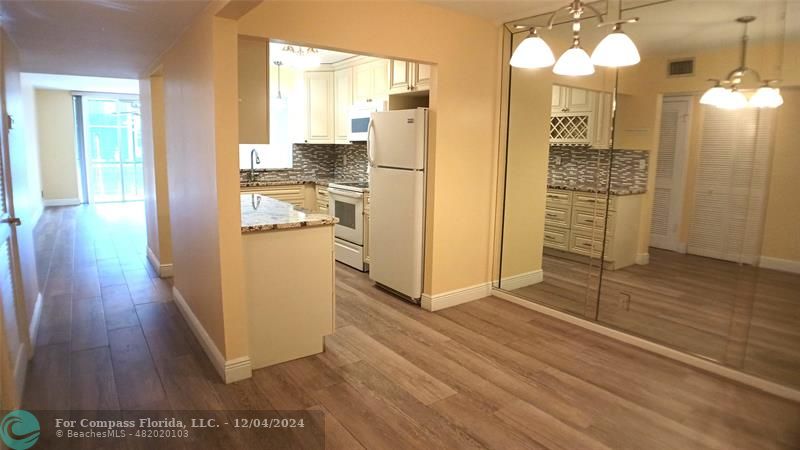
(669, 182)
(731, 184)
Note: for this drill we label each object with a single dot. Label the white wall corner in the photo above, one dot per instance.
(230, 371)
(62, 202)
(456, 297)
(33, 329)
(524, 279)
(643, 258)
(784, 265)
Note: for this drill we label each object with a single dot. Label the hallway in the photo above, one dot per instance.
(486, 374)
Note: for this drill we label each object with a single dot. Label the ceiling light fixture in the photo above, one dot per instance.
(726, 94)
(615, 50)
(307, 58)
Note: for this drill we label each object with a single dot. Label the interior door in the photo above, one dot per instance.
(13, 325)
(670, 170)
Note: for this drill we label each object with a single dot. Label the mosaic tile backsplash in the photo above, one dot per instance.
(311, 162)
(582, 168)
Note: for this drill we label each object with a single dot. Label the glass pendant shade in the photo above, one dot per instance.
(575, 62)
(532, 53)
(714, 96)
(616, 50)
(766, 97)
(734, 100)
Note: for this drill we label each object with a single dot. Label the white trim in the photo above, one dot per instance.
(642, 258)
(163, 270)
(515, 282)
(784, 265)
(694, 361)
(33, 329)
(230, 371)
(61, 202)
(21, 372)
(456, 297)
(683, 247)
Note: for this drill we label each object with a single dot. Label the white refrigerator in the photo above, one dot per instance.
(397, 143)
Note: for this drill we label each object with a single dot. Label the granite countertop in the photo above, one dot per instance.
(589, 188)
(261, 213)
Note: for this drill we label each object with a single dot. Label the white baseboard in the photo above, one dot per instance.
(524, 279)
(784, 265)
(642, 258)
(62, 202)
(33, 329)
(682, 247)
(230, 371)
(691, 360)
(447, 299)
(163, 270)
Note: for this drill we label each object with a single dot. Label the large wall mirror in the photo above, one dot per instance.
(631, 199)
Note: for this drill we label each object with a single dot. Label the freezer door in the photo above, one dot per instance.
(396, 229)
(398, 138)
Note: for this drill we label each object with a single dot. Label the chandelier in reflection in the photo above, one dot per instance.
(615, 50)
(302, 58)
(727, 94)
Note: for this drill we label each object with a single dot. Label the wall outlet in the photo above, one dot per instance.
(642, 164)
(558, 160)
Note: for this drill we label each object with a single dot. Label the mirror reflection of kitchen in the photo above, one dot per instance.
(695, 234)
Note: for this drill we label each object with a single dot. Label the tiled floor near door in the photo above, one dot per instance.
(487, 374)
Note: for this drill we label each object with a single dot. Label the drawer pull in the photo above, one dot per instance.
(551, 215)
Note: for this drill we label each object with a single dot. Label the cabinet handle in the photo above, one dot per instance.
(551, 215)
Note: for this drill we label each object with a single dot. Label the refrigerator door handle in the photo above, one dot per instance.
(369, 143)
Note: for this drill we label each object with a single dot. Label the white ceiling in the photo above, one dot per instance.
(106, 38)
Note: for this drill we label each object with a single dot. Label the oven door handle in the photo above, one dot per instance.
(334, 191)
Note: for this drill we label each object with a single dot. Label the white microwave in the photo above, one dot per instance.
(359, 119)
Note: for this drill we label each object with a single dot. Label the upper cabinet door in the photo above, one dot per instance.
(380, 74)
(558, 102)
(580, 100)
(362, 83)
(399, 76)
(343, 98)
(422, 77)
(319, 108)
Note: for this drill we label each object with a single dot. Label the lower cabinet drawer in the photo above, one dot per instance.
(590, 200)
(556, 238)
(585, 245)
(588, 219)
(558, 197)
(555, 215)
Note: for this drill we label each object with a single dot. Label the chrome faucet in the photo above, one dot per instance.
(253, 153)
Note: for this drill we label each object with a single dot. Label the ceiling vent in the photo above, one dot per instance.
(681, 67)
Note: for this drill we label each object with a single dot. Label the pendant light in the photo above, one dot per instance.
(731, 97)
(532, 53)
(615, 50)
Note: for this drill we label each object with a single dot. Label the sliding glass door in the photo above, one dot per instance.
(113, 148)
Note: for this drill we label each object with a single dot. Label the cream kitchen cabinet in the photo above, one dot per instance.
(371, 81)
(289, 193)
(343, 99)
(407, 77)
(322, 201)
(579, 117)
(602, 120)
(574, 223)
(568, 99)
(320, 110)
(366, 227)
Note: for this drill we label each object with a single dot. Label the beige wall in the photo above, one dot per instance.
(201, 118)
(56, 136)
(782, 225)
(154, 159)
(463, 105)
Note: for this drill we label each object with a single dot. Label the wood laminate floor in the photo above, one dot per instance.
(487, 374)
(738, 315)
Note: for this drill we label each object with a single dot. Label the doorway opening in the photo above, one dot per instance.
(109, 135)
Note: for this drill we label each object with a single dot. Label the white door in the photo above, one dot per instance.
(731, 184)
(670, 170)
(397, 229)
(398, 138)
